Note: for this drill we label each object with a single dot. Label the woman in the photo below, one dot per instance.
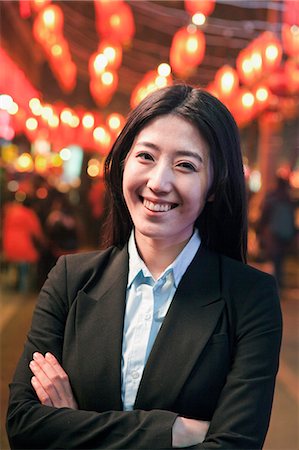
(166, 338)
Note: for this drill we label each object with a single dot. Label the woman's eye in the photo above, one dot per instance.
(188, 166)
(145, 155)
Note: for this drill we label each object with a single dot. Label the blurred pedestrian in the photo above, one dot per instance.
(276, 227)
(22, 238)
(62, 232)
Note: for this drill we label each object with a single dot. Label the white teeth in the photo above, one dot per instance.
(156, 206)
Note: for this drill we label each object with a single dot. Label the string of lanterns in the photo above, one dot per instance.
(247, 89)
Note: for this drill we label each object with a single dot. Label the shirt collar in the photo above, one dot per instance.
(178, 266)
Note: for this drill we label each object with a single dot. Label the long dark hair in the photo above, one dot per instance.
(223, 222)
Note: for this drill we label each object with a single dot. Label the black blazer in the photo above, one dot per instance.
(215, 357)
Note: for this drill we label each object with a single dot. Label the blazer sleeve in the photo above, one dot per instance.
(31, 425)
(242, 416)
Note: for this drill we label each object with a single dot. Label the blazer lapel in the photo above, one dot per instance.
(190, 321)
(102, 308)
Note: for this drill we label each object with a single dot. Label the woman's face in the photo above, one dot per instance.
(167, 175)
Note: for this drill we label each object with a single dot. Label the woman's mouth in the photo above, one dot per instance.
(158, 207)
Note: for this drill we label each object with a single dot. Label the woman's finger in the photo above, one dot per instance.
(63, 376)
(40, 392)
(53, 379)
(47, 383)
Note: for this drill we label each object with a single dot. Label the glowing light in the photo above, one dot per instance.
(107, 78)
(13, 109)
(271, 52)
(35, 106)
(53, 121)
(66, 116)
(47, 112)
(100, 63)
(93, 170)
(99, 134)
(262, 94)
(65, 154)
(6, 102)
(227, 81)
(247, 66)
(164, 70)
(192, 44)
(198, 18)
(88, 120)
(115, 20)
(56, 50)
(75, 121)
(110, 53)
(256, 60)
(41, 165)
(247, 100)
(31, 124)
(114, 122)
(56, 160)
(13, 186)
(25, 163)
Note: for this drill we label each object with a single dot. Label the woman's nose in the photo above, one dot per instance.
(160, 179)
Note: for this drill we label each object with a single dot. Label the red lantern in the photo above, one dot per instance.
(262, 96)
(113, 52)
(115, 18)
(205, 7)
(271, 51)
(151, 82)
(187, 50)
(226, 81)
(290, 39)
(52, 18)
(103, 87)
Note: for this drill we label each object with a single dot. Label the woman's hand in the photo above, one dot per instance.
(51, 382)
(188, 432)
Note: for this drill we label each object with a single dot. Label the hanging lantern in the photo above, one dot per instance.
(271, 51)
(115, 122)
(112, 52)
(226, 81)
(187, 50)
(290, 39)
(115, 19)
(103, 87)
(262, 96)
(205, 7)
(52, 18)
(243, 106)
(152, 81)
(102, 138)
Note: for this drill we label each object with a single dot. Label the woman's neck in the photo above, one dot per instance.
(157, 255)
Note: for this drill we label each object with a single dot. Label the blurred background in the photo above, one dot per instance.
(70, 73)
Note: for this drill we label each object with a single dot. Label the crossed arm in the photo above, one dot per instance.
(52, 386)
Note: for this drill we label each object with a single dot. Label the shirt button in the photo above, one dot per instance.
(135, 375)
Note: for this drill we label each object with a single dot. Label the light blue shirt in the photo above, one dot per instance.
(147, 302)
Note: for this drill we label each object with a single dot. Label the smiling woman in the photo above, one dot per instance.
(166, 338)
